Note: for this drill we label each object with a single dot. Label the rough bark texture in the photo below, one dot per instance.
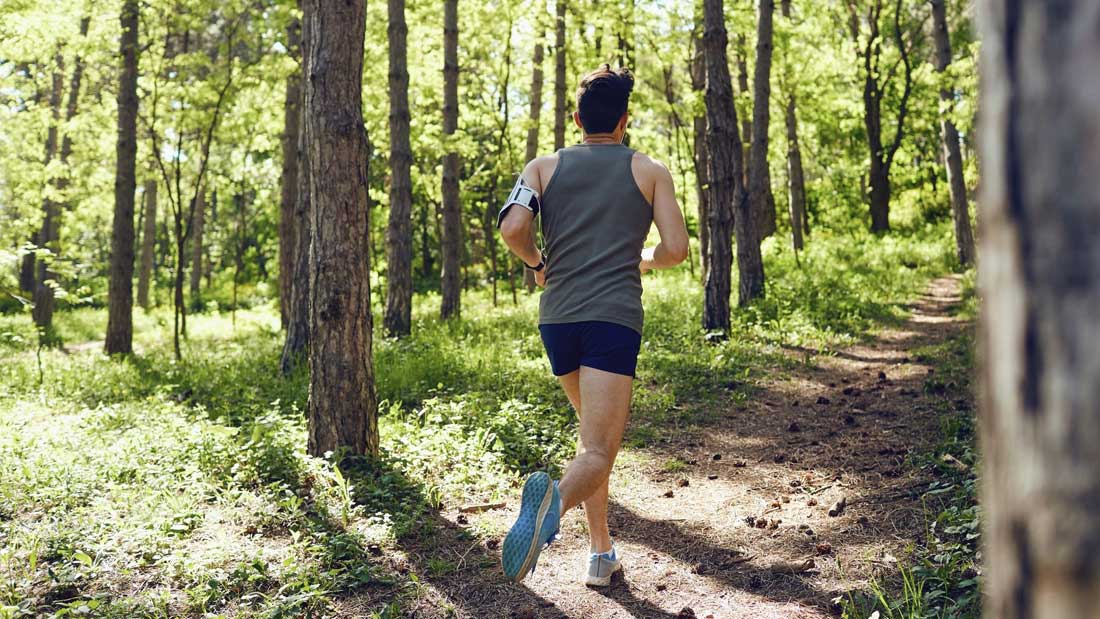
(120, 300)
(47, 235)
(288, 183)
(952, 154)
(699, 146)
(1040, 330)
(796, 185)
(197, 229)
(451, 286)
(148, 239)
(761, 200)
(727, 193)
(533, 128)
(297, 328)
(397, 320)
(559, 75)
(342, 406)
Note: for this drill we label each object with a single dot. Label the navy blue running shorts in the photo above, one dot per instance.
(596, 344)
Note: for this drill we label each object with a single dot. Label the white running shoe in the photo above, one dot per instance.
(601, 566)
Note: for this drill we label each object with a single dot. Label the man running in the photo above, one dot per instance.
(598, 200)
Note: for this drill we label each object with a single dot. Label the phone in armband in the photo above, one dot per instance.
(522, 194)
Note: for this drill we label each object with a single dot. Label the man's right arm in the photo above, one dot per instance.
(518, 222)
(674, 246)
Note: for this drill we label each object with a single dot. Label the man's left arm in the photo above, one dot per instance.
(674, 246)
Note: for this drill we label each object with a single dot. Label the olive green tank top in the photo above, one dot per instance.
(594, 222)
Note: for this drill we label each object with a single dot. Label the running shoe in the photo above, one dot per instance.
(601, 565)
(535, 528)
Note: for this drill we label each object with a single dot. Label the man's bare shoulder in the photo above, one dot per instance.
(648, 165)
(539, 171)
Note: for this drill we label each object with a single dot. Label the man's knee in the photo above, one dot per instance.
(602, 456)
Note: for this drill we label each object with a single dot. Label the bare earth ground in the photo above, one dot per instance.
(836, 427)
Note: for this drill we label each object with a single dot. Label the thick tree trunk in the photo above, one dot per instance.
(197, 229)
(964, 236)
(397, 320)
(729, 208)
(1040, 330)
(297, 309)
(559, 75)
(120, 300)
(342, 405)
(288, 185)
(452, 208)
(42, 311)
(148, 238)
(699, 145)
(796, 191)
(533, 128)
(761, 201)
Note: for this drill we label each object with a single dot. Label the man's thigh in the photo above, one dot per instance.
(605, 408)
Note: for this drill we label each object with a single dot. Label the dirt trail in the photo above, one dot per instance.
(837, 427)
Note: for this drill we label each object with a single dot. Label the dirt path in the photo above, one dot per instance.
(838, 427)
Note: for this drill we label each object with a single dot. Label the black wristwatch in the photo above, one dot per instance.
(538, 267)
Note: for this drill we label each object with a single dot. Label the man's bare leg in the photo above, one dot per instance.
(595, 506)
(605, 407)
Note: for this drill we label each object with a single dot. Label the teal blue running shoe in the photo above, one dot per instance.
(535, 528)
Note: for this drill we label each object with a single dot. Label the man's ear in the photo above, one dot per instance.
(623, 121)
(577, 120)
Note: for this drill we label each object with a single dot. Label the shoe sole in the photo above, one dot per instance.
(596, 581)
(531, 497)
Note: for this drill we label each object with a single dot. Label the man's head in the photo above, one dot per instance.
(602, 98)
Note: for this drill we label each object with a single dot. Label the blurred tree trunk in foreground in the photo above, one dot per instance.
(451, 289)
(1040, 329)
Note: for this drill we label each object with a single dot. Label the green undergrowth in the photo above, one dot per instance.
(146, 487)
(941, 577)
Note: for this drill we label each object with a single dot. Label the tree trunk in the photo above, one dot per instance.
(533, 129)
(297, 309)
(740, 55)
(452, 208)
(148, 238)
(1040, 331)
(964, 236)
(559, 75)
(197, 229)
(796, 183)
(762, 203)
(699, 122)
(728, 206)
(397, 320)
(120, 303)
(288, 185)
(42, 311)
(342, 405)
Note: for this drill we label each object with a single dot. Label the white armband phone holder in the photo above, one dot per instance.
(522, 194)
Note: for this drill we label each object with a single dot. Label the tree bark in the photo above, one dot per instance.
(297, 309)
(952, 154)
(559, 75)
(198, 227)
(42, 311)
(533, 129)
(762, 202)
(796, 191)
(288, 185)
(148, 239)
(397, 320)
(699, 145)
(729, 207)
(1040, 331)
(451, 288)
(120, 303)
(342, 405)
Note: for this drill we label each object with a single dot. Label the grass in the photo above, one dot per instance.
(143, 487)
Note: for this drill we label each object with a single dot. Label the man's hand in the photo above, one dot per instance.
(540, 277)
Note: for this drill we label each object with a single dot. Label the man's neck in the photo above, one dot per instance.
(600, 138)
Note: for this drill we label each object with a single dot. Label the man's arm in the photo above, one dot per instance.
(673, 247)
(516, 227)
